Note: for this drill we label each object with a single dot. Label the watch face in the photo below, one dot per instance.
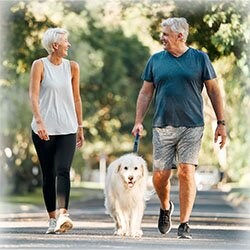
(222, 122)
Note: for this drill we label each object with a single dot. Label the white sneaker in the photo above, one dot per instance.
(64, 223)
(52, 226)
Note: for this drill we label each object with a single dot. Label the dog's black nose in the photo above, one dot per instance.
(130, 178)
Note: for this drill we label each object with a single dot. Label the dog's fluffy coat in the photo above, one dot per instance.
(125, 192)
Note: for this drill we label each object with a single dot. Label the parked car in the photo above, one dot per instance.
(207, 177)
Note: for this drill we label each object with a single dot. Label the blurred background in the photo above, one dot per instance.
(112, 41)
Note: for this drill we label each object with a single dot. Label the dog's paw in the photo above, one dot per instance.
(136, 234)
(119, 232)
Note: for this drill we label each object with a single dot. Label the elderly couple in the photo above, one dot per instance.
(174, 77)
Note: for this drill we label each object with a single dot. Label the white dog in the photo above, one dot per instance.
(125, 192)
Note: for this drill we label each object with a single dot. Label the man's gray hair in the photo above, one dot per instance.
(178, 25)
(51, 36)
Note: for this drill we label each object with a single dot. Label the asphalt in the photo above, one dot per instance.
(216, 223)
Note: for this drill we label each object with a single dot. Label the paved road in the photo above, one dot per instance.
(216, 224)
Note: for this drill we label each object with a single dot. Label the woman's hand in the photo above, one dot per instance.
(42, 132)
(79, 138)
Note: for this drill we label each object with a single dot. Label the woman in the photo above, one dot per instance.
(57, 123)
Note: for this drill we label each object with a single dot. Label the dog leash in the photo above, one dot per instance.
(136, 143)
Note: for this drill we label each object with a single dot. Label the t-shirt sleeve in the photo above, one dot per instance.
(147, 74)
(208, 72)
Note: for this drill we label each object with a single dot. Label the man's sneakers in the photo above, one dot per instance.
(64, 223)
(184, 231)
(52, 226)
(164, 222)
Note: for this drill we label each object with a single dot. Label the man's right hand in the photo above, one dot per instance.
(137, 129)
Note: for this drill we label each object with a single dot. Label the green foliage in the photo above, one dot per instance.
(115, 86)
(22, 41)
(112, 42)
(238, 101)
(21, 45)
(106, 90)
(221, 28)
(112, 66)
(15, 135)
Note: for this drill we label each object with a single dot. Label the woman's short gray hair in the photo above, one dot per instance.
(178, 25)
(51, 36)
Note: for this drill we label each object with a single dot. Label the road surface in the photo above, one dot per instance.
(215, 223)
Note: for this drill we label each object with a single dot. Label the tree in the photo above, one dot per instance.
(112, 42)
(20, 47)
(221, 29)
(104, 92)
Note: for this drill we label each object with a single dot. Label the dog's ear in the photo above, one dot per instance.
(118, 168)
(142, 169)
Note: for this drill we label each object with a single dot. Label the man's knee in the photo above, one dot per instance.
(161, 176)
(185, 171)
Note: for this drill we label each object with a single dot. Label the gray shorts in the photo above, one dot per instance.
(176, 145)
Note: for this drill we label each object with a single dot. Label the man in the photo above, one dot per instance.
(175, 77)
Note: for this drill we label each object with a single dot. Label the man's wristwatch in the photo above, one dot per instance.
(221, 122)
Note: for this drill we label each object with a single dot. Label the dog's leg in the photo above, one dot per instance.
(120, 221)
(127, 218)
(117, 225)
(117, 221)
(136, 219)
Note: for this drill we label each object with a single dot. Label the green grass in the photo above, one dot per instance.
(36, 197)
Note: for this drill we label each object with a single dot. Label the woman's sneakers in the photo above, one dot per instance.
(61, 225)
(52, 226)
(64, 223)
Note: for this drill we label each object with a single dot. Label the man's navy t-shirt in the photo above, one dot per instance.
(178, 83)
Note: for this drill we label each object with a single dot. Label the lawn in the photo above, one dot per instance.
(83, 192)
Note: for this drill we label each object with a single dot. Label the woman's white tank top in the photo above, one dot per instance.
(56, 100)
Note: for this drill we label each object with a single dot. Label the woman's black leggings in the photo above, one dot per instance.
(55, 158)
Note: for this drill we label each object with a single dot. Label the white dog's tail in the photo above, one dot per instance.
(148, 194)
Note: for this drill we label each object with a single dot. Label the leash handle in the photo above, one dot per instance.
(136, 143)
